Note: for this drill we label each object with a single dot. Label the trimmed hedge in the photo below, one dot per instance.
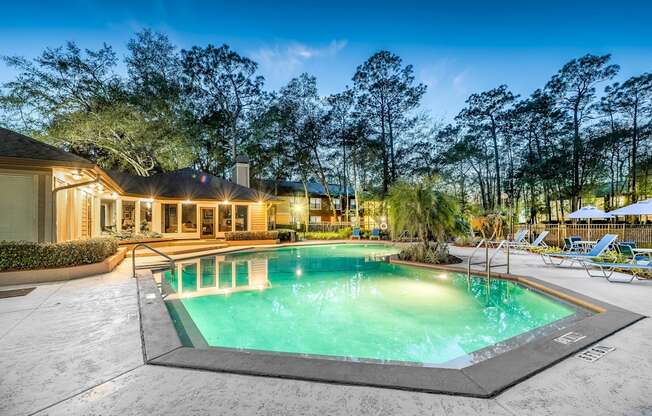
(251, 235)
(342, 234)
(26, 255)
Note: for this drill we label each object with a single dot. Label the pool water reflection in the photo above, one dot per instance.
(345, 301)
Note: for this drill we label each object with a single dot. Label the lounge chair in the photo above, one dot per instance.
(355, 233)
(519, 239)
(607, 269)
(596, 251)
(375, 233)
(538, 242)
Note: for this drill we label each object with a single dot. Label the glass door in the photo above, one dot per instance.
(207, 222)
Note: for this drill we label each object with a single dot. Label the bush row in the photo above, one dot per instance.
(328, 235)
(251, 235)
(26, 255)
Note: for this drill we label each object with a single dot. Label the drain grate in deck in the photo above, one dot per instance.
(569, 338)
(15, 292)
(595, 353)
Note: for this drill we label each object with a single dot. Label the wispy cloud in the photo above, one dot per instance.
(280, 62)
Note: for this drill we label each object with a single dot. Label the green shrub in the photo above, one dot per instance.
(26, 255)
(130, 235)
(285, 234)
(251, 235)
(432, 253)
(328, 235)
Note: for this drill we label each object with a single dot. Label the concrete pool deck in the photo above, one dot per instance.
(75, 348)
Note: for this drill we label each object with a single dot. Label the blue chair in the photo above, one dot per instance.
(355, 233)
(375, 233)
(596, 251)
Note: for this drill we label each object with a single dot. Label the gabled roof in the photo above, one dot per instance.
(186, 184)
(287, 188)
(19, 146)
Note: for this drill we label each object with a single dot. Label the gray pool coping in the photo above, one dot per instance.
(484, 379)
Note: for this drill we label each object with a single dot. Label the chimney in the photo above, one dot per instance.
(240, 172)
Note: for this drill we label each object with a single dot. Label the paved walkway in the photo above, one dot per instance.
(75, 348)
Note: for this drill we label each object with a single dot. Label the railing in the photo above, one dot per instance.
(641, 233)
(488, 261)
(160, 253)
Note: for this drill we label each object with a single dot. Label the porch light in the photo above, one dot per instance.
(114, 195)
(76, 175)
(186, 202)
(225, 202)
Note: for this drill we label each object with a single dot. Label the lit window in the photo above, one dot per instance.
(169, 218)
(225, 222)
(314, 219)
(336, 203)
(352, 203)
(128, 215)
(241, 212)
(145, 216)
(315, 203)
(189, 218)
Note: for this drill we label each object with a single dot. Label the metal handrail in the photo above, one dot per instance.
(488, 262)
(160, 253)
(469, 263)
(505, 243)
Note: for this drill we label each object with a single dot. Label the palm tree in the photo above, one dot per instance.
(434, 217)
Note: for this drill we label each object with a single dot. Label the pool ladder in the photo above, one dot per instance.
(168, 264)
(488, 261)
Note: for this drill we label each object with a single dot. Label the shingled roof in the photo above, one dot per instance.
(19, 146)
(186, 184)
(287, 188)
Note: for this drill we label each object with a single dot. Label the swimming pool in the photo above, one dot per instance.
(344, 302)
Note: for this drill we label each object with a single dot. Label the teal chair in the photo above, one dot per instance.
(355, 233)
(375, 234)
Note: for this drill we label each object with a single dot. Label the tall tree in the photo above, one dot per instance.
(222, 86)
(386, 91)
(633, 98)
(483, 111)
(574, 88)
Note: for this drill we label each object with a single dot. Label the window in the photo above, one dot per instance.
(336, 203)
(225, 221)
(241, 212)
(128, 215)
(315, 219)
(169, 218)
(315, 203)
(145, 216)
(352, 203)
(189, 218)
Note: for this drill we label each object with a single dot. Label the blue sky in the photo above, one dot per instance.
(456, 48)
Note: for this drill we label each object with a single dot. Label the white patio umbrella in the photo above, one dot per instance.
(589, 212)
(639, 208)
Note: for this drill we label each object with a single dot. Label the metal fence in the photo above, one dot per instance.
(641, 233)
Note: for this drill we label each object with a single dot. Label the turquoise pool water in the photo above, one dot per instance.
(343, 300)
